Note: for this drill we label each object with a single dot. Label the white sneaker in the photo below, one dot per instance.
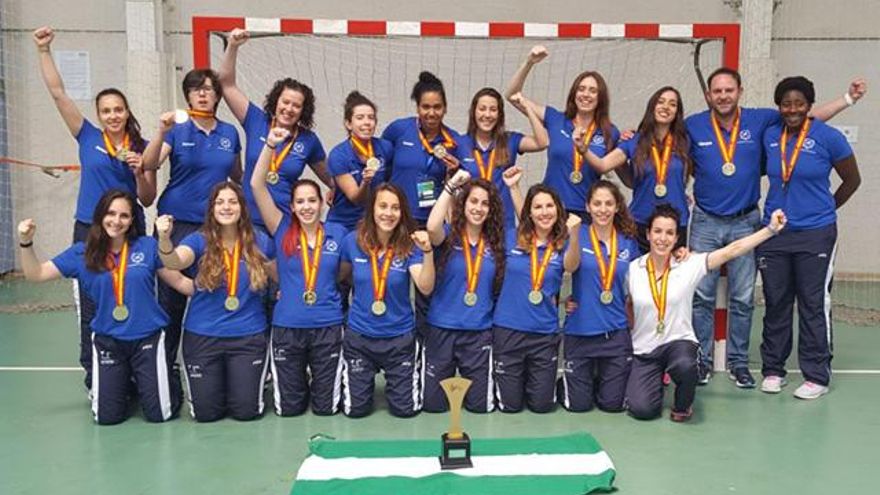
(773, 384)
(809, 391)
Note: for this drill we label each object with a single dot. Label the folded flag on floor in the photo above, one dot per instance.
(566, 465)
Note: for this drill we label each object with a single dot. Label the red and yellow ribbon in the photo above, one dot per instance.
(606, 269)
(117, 274)
(365, 151)
(537, 272)
(485, 169)
(448, 142)
(310, 270)
(472, 266)
(659, 296)
(727, 149)
(661, 165)
(232, 263)
(788, 165)
(111, 150)
(279, 156)
(578, 159)
(380, 278)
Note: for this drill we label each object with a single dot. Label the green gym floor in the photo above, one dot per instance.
(739, 441)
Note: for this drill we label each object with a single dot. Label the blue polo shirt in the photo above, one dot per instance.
(715, 192)
(343, 159)
(199, 161)
(643, 199)
(448, 309)
(307, 150)
(591, 316)
(99, 173)
(467, 147)
(145, 316)
(206, 314)
(807, 201)
(560, 159)
(513, 310)
(412, 164)
(291, 311)
(398, 318)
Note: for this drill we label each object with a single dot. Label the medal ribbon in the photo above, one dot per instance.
(485, 171)
(379, 279)
(472, 266)
(232, 263)
(578, 159)
(659, 297)
(606, 270)
(366, 152)
(662, 166)
(729, 148)
(788, 166)
(111, 150)
(538, 272)
(117, 273)
(278, 157)
(200, 113)
(448, 142)
(310, 270)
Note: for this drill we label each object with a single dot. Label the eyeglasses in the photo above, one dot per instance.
(203, 89)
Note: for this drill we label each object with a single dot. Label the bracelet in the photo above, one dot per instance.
(26, 244)
(848, 99)
(270, 146)
(450, 190)
(772, 230)
(166, 253)
(43, 49)
(428, 251)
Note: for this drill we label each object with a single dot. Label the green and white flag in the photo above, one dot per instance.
(571, 465)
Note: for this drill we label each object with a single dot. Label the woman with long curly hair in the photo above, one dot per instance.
(488, 148)
(224, 337)
(526, 320)
(470, 269)
(289, 104)
(596, 344)
(306, 341)
(117, 268)
(659, 158)
(382, 257)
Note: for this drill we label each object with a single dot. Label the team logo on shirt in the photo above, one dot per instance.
(598, 139)
(136, 258)
(397, 263)
(225, 144)
(809, 143)
(298, 147)
(624, 255)
(745, 135)
(331, 245)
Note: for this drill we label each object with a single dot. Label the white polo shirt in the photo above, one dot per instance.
(683, 280)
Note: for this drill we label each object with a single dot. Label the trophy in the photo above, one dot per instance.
(456, 443)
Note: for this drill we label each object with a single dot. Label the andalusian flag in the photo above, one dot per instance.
(571, 465)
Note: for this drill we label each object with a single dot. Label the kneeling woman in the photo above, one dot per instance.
(597, 345)
(224, 339)
(471, 264)
(526, 333)
(662, 291)
(382, 256)
(118, 271)
(307, 321)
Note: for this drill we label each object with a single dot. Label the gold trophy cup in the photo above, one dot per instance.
(456, 443)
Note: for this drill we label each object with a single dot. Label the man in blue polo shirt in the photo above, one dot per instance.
(727, 183)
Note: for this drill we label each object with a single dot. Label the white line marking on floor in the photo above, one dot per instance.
(40, 368)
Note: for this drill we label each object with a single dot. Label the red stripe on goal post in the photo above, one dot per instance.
(574, 30)
(507, 29)
(367, 28)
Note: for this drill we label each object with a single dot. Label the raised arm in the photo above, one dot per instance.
(572, 259)
(602, 165)
(848, 171)
(423, 274)
(515, 85)
(742, 246)
(71, 115)
(539, 139)
(173, 258)
(158, 150)
(511, 178)
(145, 180)
(177, 281)
(30, 265)
(441, 208)
(272, 216)
(826, 111)
(232, 94)
(320, 169)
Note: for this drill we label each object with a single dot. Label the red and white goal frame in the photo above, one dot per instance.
(727, 33)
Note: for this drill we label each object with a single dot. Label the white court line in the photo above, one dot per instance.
(76, 368)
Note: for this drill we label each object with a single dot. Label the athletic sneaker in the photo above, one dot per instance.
(773, 384)
(742, 377)
(681, 417)
(809, 391)
(704, 373)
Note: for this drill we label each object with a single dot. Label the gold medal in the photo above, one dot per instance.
(576, 177)
(373, 163)
(272, 178)
(120, 313)
(122, 154)
(380, 279)
(660, 190)
(536, 297)
(231, 303)
(378, 308)
(607, 297)
(728, 169)
(310, 297)
(661, 327)
(440, 151)
(607, 269)
(470, 298)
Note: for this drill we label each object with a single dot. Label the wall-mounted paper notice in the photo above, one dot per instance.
(75, 72)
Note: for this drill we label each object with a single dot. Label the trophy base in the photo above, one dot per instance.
(456, 452)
